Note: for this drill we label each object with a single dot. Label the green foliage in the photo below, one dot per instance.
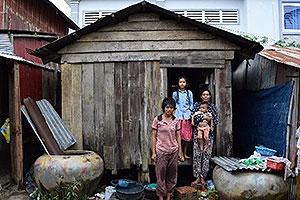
(287, 43)
(262, 40)
(63, 192)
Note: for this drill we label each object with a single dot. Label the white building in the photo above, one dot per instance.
(274, 19)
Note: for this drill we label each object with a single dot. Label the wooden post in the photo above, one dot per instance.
(16, 145)
(224, 140)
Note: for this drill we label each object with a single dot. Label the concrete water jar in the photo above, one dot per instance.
(252, 185)
(84, 167)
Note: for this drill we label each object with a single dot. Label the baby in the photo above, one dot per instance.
(204, 126)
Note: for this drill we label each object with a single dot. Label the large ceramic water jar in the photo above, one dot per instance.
(252, 185)
(85, 167)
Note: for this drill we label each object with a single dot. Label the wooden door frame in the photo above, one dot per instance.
(16, 144)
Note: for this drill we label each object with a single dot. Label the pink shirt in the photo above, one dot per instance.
(166, 135)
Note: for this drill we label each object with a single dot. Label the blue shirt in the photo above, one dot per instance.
(184, 104)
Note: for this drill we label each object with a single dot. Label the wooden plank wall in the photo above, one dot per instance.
(223, 99)
(119, 102)
(284, 74)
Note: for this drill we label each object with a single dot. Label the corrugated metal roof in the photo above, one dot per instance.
(22, 60)
(288, 56)
(48, 52)
(233, 164)
(60, 131)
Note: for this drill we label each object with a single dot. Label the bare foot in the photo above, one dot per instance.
(186, 157)
(202, 181)
(196, 182)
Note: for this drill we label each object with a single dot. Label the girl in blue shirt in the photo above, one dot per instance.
(184, 107)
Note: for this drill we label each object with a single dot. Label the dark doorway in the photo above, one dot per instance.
(4, 114)
(197, 79)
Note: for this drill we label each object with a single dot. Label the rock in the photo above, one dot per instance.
(252, 185)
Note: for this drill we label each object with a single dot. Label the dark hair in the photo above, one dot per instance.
(202, 93)
(204, 103)
(177, 92)
(167, 101)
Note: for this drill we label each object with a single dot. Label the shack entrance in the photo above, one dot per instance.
(197, 79)
(4, 114)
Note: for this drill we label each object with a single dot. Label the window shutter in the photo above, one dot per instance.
(230, 17)
(212, 16)
(91, 17)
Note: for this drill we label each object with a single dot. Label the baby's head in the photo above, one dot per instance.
(204, 107)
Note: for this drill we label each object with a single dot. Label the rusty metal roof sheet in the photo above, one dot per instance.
(60, 131)
(287, 56)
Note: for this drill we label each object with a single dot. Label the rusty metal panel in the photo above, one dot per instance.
(31, 82)
(22, 43)
(25, 113)
(288, 56)
(32, 15)
(60, 131)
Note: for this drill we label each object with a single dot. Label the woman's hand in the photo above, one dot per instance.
(153, 157)
(293, 166)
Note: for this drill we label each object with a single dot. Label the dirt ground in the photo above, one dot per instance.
(9, 191)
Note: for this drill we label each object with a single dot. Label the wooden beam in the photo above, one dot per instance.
(149, 35)
(217, 66)
(143, 17)
(224, 140)
(16, 145)
(137, 46)
(149, 25)
(144, 56)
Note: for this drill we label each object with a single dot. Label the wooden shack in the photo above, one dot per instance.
(116, 71)
(271, 67)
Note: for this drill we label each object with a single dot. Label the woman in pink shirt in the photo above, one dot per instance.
(166, 148)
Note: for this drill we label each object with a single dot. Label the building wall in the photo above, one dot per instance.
(293, 35)
(30, 15)
(259, 17)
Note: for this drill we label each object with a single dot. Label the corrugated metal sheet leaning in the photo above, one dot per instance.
(60, 131)
(25, 113)
(233, 164)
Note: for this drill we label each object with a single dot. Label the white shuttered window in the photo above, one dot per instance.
(90, 17)
(212, 16)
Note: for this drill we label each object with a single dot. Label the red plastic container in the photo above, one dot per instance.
(275, 165)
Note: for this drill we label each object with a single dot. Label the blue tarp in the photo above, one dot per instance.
(261, 119)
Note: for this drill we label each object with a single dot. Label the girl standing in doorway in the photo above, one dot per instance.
(184, 107)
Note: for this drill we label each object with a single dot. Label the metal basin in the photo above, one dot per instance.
(85, 167)
(252, 185)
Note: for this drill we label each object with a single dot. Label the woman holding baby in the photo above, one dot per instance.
(204, 120)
